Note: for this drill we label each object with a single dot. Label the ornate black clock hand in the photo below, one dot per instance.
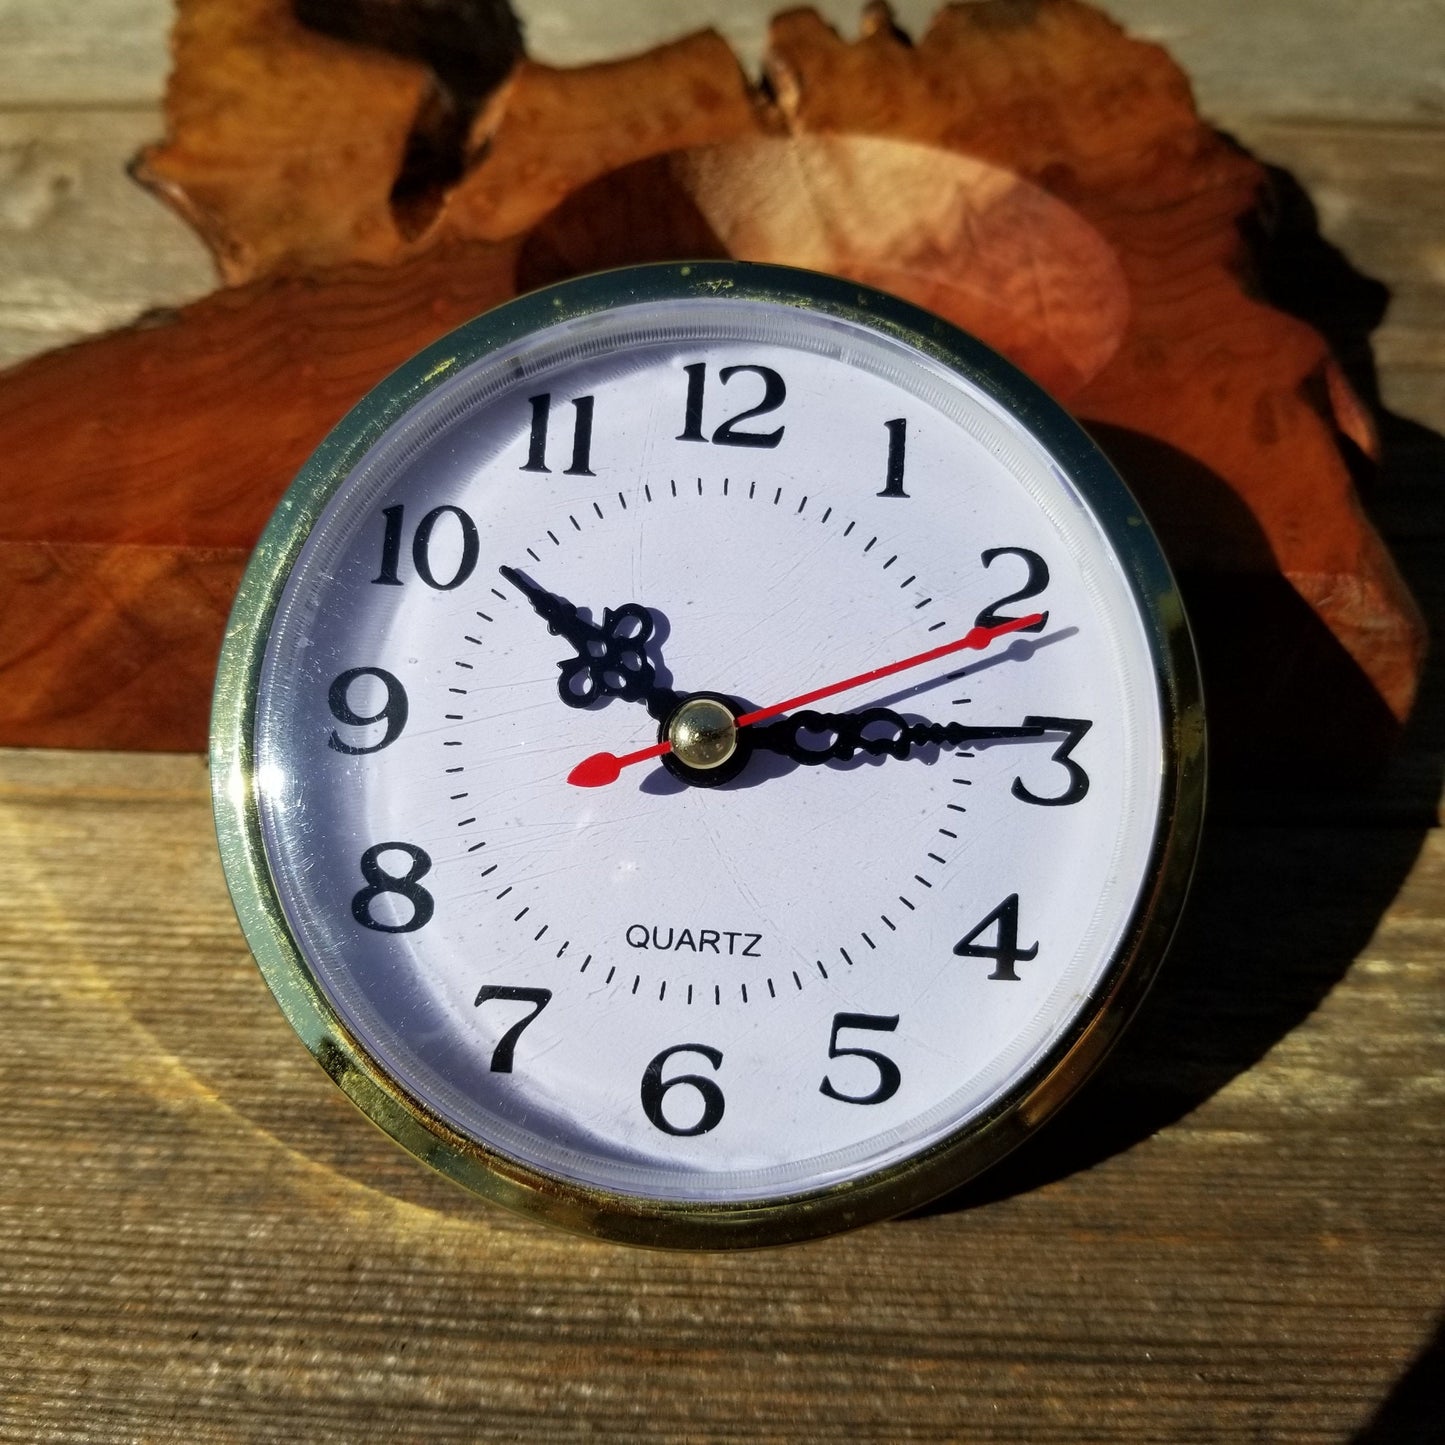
(709, 730)
(611, 658)
(876, 731)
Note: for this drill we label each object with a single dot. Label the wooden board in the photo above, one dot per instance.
(1237, 1234)
(1237, 1237)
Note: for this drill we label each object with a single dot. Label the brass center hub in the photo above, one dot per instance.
(703, 733)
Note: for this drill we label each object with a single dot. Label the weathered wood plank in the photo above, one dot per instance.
(1331, 59)
(82, 247)
(204, 1241)
(83, 53)
(1379, 191)
(1335, 58)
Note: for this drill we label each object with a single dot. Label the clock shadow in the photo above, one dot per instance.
(1319, 801)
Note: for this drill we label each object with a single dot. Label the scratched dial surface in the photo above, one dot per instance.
(897, 907)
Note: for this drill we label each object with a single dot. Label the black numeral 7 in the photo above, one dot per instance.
(506, 1045)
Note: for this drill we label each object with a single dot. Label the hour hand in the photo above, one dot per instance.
(611, 658)
(815, 737)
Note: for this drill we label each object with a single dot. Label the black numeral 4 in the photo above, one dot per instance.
(1004, 949)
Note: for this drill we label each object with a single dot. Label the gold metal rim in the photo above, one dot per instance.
(678, 1224)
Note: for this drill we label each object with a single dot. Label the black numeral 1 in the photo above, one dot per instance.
(897, 447)
(692, 411)
(581, 437)
(391, 547)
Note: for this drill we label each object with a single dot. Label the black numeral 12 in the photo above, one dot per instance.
(726, 434)
(581, 437)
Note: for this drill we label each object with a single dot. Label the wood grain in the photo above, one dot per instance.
(1236, 1236)
(82, 248)
(1035, 130)
(203, 1241)
(1380, 65)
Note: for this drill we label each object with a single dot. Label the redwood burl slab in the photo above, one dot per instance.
(1025, 169)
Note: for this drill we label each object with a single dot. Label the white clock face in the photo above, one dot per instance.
(895, 907)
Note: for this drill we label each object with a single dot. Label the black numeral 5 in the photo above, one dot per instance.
(888, 1076)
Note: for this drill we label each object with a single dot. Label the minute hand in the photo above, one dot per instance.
(603, 768)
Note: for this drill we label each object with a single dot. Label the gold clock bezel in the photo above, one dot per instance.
(630, 1219)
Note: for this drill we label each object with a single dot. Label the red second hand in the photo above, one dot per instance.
(603, 768)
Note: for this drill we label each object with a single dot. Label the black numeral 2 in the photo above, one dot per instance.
(1037, 580)
(727, 434)
(581, 437)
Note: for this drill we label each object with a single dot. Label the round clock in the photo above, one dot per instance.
(708, 755)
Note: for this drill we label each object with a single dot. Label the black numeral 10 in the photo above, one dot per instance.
(421, 543)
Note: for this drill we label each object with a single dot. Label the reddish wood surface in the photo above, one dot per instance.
(1025, 170)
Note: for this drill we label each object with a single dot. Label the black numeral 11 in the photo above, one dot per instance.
(581, 437)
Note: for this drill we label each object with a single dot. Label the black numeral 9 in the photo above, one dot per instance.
(393, 711)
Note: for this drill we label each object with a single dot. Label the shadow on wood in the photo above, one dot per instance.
(1279, 909)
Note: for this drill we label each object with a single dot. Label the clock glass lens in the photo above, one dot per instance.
(791, 953)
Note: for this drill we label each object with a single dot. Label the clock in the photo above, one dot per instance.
(708, 755)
